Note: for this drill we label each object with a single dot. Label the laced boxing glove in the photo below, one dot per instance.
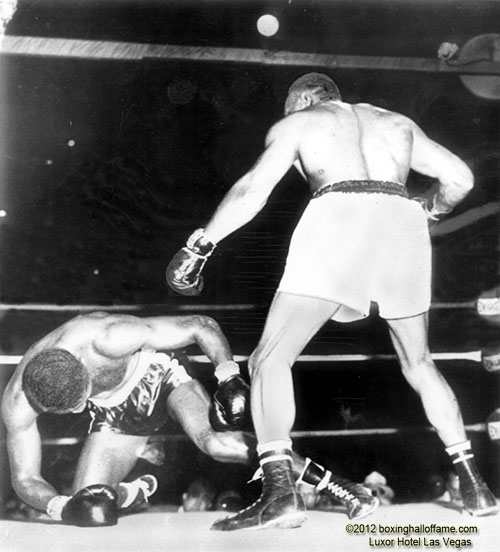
(229, 408)
(430, 209)
(92, 506)
(184, 270)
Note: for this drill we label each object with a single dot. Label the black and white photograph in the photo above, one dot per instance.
(249, 275)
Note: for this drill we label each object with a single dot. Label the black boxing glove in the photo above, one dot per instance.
(229, 408)
(183, 273)
(92, 506)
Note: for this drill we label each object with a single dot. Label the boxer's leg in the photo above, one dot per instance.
(409, 336)
(291, 323)
(189, 404)
(108, 457)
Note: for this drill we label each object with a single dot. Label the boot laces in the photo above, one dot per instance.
(341, 492)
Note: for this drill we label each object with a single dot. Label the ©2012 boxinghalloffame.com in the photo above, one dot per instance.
(415, 536)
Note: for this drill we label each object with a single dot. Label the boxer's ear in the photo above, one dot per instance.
(307, 98)
(298, 101)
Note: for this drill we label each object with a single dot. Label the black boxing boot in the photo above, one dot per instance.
(135, 494)
(477, 498)
(229, 409)
(280, 505)
(357, 498)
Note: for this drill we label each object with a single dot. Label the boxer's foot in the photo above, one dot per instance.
(477, 498)
(138, 492)
(357, 498)
(280, 505)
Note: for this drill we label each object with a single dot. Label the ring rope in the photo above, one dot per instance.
(471, 428)
(479, 304)
(470, 355)
(112, 50)
(202, 359)
(155, 307)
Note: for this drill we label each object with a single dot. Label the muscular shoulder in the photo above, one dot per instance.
(116, 321)
(118, 335)
(76, 328)
(385, 116)
(288, 127)
(99, 323)
(17, 413)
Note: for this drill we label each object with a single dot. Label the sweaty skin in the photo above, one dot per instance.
(105, 343)
(333, 141)
(328, 141)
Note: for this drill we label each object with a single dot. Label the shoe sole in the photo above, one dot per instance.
(290, 521)
(366, 513)
(486, 512)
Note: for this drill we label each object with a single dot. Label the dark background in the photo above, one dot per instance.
(108, 166)
(155, 144)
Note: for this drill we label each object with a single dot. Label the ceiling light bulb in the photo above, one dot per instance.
(268, 25)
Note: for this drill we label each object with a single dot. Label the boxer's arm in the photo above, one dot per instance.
(454, 176)
(175, 332)
(25, 453)
(247, 197)
(229, 406)
(165, 333)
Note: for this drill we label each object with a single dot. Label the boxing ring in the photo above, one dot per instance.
(162, 526)
(323, 531)
(403, 525)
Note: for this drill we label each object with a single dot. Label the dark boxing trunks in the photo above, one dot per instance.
(144, 411)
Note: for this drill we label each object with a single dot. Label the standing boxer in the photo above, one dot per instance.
(110, 364)
(360, 239)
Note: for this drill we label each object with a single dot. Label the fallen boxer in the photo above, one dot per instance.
(110, 364)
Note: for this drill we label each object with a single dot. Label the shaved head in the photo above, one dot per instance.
(318, 84)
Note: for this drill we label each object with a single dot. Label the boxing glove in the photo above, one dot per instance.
(430, 208)
(92, 506)
(229, 408)
(183, 273)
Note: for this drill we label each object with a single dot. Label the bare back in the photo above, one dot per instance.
(339, 141)
(80, 336)
(107, 344)
(330, 141)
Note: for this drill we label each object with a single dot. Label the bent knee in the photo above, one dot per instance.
(416, 372)
(260, 364)
(226, 447)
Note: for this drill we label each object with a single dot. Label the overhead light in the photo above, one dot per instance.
(268, 25)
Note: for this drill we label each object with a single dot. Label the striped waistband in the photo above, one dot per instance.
(363, 187)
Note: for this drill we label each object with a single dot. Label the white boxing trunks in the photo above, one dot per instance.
(355, 248)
